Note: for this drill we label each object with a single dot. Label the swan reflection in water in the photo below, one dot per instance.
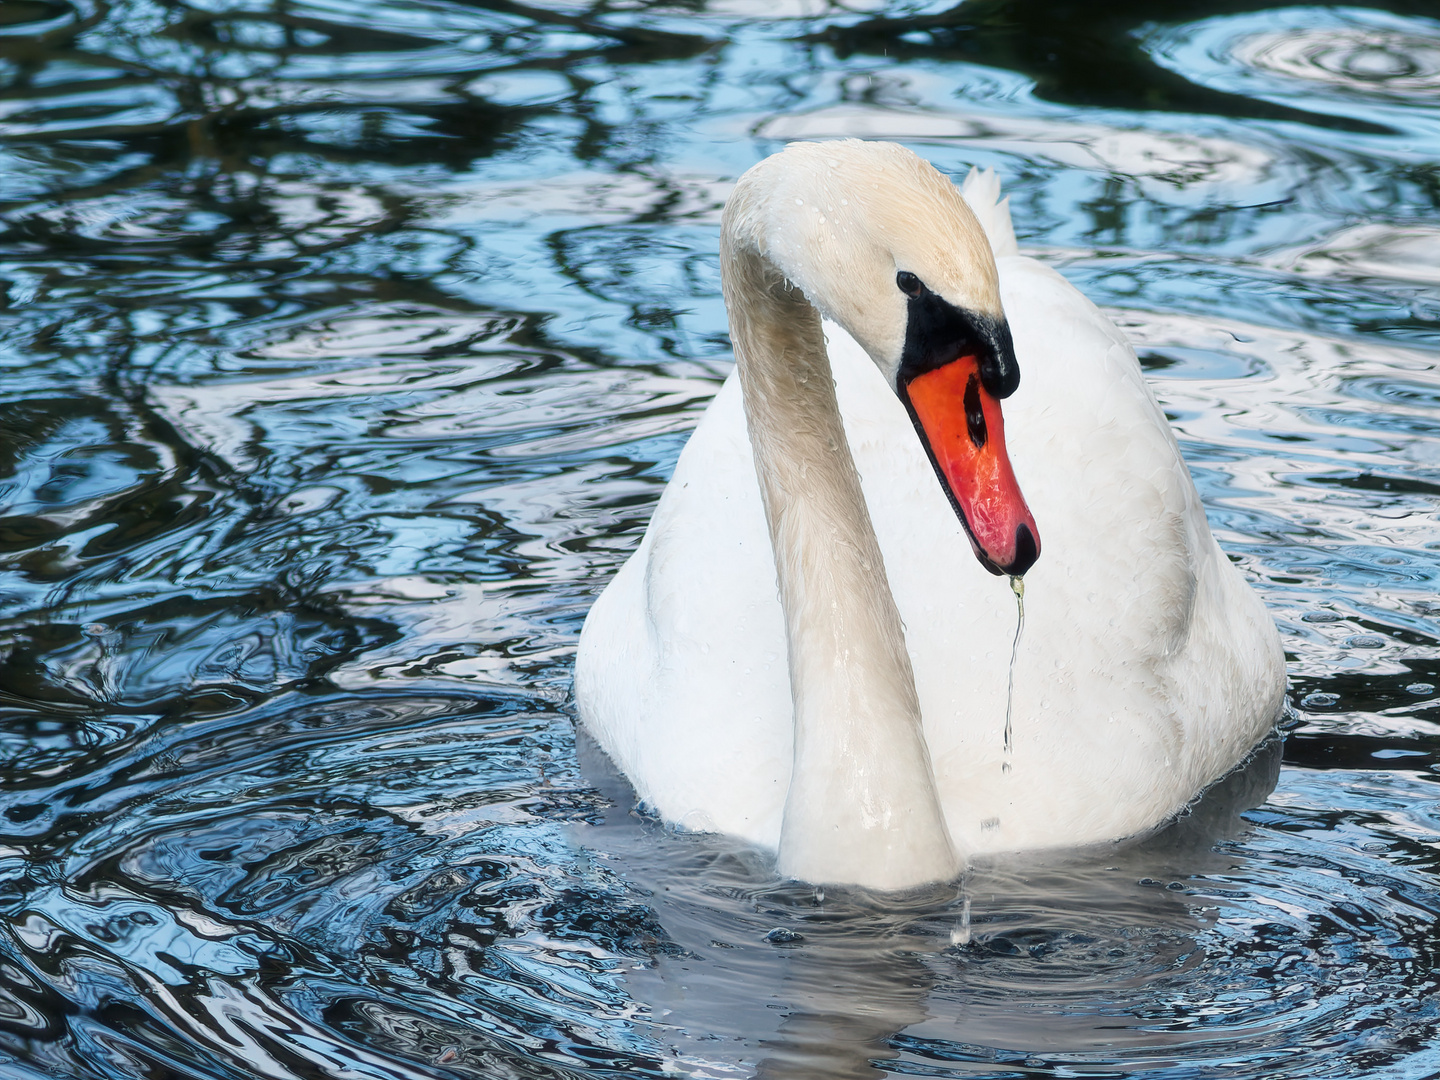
(1065, 954)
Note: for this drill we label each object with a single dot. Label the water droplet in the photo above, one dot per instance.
(1367, 641)
(960, 932)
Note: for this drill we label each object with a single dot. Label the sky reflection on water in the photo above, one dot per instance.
(344, 349)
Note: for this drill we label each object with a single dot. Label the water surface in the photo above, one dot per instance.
(344, 351)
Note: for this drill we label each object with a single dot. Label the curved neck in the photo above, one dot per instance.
(862, 806)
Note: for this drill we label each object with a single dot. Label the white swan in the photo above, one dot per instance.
(854, 721)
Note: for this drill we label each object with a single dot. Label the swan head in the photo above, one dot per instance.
(885, 245)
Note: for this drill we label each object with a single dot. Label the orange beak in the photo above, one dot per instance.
(960, 424)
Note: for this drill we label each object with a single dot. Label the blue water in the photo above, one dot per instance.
(344, 351)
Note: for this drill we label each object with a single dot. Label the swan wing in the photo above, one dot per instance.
(682, 673)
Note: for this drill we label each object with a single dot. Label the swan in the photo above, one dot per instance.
(802, 651)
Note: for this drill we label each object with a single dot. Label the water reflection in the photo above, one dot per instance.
(1340, 61)
(1149, 956)
(1369, 61)
(1401, 254)
(345, 351)
(821, 984)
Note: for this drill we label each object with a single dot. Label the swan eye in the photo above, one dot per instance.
(909, 284)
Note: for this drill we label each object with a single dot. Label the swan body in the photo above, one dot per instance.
(1147, 667)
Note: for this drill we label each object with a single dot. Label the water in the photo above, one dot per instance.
(346, 348)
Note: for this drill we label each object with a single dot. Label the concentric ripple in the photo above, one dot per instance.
(1338, 60)
(344, 351)
(1357, 59)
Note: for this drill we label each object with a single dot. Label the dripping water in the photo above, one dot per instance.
(1017, 586)
(960, 932)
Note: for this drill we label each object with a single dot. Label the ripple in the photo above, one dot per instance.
(1364, 64)
(346, 348)
(1357, 59)
(1178, 159)
(1406, 253)
(34, 16)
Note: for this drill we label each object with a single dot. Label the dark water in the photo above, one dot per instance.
(346, 347)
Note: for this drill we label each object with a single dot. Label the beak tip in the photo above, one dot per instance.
(1027, 550)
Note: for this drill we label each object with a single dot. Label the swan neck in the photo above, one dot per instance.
(862, 806)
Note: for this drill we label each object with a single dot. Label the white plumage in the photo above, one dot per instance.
(1147, 669)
